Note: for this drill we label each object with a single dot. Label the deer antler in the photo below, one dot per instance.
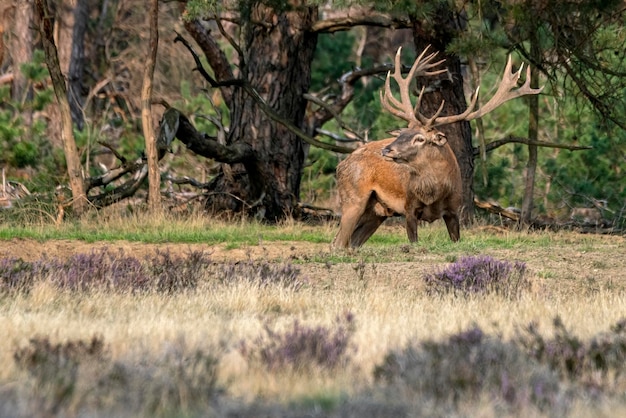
(506, 91)
(422, 67)
(404, 108)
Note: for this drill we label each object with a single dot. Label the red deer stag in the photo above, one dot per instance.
(414, 173)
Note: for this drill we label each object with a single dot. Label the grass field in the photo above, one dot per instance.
(246, 320)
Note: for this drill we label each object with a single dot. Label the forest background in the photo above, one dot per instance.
(576, 49)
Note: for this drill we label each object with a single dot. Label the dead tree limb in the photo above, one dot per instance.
(123, 191)
(498, 210)
(519, 140)
(360, 17)
(347, 81)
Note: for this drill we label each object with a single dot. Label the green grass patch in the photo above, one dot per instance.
(168, 229)
(388, 244)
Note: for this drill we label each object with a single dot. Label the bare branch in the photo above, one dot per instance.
(114, 151)
(362, 17)
(206, 146)
(114, 174)
(271, 113)
(214, 54)
(317, 119)
(123, 191)
(231, 41)
(497, 210)
(519, 140)
(337, 137)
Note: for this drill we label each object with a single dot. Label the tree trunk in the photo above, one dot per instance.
(77, 63)
(21, 50)
(154, 175)
(79, 199)
(448, 87)
(70, 27)
(63, 30)
(533, 131)
(277, 54)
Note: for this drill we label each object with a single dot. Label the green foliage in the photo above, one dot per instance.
(595, 173)
(319, 175)
(326, 67)
(201, 108)
(198, 8)
(23, 139)
(24, 154)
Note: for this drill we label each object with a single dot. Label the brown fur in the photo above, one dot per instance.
(372, 187)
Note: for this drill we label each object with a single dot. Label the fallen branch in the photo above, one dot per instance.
(498, 210)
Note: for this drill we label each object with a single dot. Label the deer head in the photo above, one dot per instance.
(421, 130)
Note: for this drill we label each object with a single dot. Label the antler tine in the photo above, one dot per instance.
(392, 105)
(421, 65)
(403, 84)
(403, 108)
(506, 91)
(426, 122)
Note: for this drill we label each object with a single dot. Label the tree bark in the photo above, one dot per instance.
(448, 87)
(79, 198)
(21, 50)
(533, 131)
(4, 12)
(70, 28)
(154, 175)
(63, 30)
(77, 63)
(276, 62)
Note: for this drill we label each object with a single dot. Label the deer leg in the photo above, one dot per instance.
(452, 223)
(413, 215)
(374, 214)
(350, 219)
(411, 227)
(368, 225)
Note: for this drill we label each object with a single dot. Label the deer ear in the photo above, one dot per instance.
(440, 139)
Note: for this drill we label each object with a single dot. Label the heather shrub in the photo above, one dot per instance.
(173, 273)
(73, 378)
(16, 274)
(598, 361)
(108, 270)
(481, 274)
(53, 369)
(469, 365)
(303, 346)
(99, 269)
(262, 274)
(178, 383)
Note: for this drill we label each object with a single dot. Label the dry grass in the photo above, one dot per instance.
(577, 278)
